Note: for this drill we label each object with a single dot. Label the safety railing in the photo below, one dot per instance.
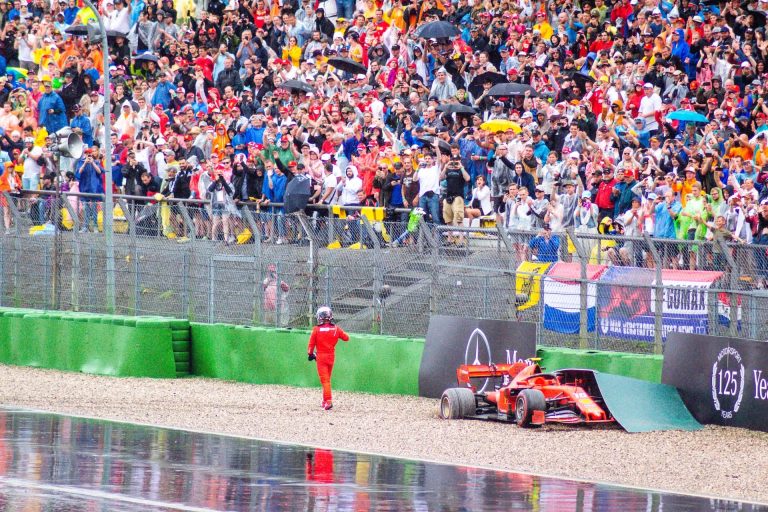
(252, 263)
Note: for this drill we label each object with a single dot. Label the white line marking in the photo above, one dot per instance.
(618, 485)
(79, 491)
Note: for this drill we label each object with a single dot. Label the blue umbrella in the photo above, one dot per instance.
(688, 116)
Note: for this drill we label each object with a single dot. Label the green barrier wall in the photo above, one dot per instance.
(374, 364)
(100, 344)
(157, 347)
(639, 366)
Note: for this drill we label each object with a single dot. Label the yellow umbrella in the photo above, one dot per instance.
(500, 125)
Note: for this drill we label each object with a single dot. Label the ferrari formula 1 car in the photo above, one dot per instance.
(523, 394)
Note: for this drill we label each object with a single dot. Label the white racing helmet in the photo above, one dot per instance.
(324, 314)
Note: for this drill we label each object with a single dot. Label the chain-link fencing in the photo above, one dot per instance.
(255, 265)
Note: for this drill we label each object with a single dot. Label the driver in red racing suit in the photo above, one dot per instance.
(324, 337)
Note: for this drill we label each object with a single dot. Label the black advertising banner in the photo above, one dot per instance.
(453, 341)
(721, 380)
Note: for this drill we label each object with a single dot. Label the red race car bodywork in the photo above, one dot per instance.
(522, 393)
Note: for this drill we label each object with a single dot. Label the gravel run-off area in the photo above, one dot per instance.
(722, 462)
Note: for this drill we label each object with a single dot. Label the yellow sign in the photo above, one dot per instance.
(528, 282)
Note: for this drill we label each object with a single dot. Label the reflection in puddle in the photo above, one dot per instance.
(51, 462)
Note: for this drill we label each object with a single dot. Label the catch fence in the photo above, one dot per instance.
(254, 265)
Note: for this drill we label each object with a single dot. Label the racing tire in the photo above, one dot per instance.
(528, 401)
(456, 403)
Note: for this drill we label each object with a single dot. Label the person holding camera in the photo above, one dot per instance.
(428, 178)
(456, 178)
(221, 195)
(502, 176)
(89, 175)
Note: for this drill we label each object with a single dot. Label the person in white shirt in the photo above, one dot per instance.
(519, 214)
(118, 17)
(33, 166)
(649, 105)
(550, 172)
(519, 218)
(429, 185)
(348, 186)
(160, 164)
(329, 186)
(480, 204)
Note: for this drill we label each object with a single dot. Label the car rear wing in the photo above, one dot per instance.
(466, 372)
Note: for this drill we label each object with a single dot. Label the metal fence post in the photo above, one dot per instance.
(47, 264)
(733, 283)
(279, 296)
(256, 236)
(211, 290)
(331, 220)
(312, 264)
(658, 337)
(426, 235)
(75, 276)
(90, 276)
(583, 290)
(378, 274)
(187, 308)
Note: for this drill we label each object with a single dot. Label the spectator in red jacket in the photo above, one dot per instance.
(604, 197)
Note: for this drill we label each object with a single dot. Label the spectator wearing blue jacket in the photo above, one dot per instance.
(545, 246)
(255, 130)
(89, 174)
(53, 113)
(70, 13)
(83, 123)
(474, 157)
(162, 95)
(274, 192)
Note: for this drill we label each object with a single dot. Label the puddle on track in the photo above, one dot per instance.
(53, 463)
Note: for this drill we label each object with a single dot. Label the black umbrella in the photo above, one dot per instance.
(759, 18)
(111, 34)
(457, 108)
(348, 65)
(437, 30)
(77, 30)
(297, 193)
(146, 57)
(512, 89)
(476, 85)
(580, 79)
(429, 140)
(296, 86)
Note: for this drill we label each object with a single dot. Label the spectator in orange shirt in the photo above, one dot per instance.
(685, 187)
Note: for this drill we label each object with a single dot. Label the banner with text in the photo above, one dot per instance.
(721, 380)
(627, 302)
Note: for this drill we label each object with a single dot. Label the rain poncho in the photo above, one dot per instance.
(413, 220)
(127, 122)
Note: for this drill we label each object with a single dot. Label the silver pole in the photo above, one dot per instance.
(108, 200)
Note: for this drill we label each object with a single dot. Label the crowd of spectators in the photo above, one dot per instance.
(231, 102)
